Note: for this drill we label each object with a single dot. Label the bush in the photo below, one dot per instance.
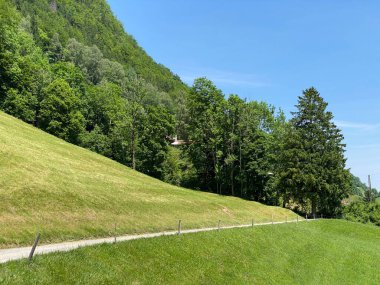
(360, 211)
(375, 213)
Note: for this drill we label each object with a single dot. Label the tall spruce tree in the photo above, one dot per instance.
(313, 163)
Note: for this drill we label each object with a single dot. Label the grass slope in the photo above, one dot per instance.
(67, 192)
(323, 252)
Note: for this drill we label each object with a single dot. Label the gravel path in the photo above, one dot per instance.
(23, 252)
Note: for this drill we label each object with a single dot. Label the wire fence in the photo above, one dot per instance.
(27, 252)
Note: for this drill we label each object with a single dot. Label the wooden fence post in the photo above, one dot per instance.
(34, 247)
(179, 227)
(115, 233)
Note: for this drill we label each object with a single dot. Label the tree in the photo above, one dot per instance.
(60, 112)
(24, 70)
(88, 59)
(256, 148)
(112, 71)
(135, 93)
(120, 139)
(97, 141)
(233, 160)
(313, 157)
(178, 169)
(206, 110)
(55, 49)
(104, 106)
(71, 74)
(22, 106)
(153, 147)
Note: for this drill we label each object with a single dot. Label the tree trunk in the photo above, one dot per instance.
(133, 143)
(314, 207)
(240, 167)
(232, 181)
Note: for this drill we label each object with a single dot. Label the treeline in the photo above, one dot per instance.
(91, 97)
(247, 150)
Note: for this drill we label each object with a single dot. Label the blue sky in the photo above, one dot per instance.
(271, 51)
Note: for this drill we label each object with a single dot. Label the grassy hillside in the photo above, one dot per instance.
(323, 252)
(67, 192)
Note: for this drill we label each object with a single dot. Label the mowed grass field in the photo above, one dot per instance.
(321, 252)
(67, 193)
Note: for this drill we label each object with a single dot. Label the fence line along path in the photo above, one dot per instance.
(23, 252)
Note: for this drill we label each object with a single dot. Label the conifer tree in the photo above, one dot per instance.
(313, 163)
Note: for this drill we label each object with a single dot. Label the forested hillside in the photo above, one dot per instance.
(69, 68)
(92, 23)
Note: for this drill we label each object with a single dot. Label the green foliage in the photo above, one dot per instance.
(55, 50)
(358, 187)
(92, 63)
(22, 106)
(260, 140)
(104, 106)
(24, 69)
(92, 23)
(60, 112)
(313, 157)
(153, 148)
(71, 74)
(235, 143)
(206, 111)
(178, 169)
(363, 212)
(96, 141)
(357, 212)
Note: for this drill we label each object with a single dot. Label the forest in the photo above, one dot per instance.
(69, 68)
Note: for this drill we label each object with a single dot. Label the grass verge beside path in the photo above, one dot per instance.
(321, 252)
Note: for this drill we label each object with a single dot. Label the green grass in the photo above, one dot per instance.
(67, 193)
(322, 252)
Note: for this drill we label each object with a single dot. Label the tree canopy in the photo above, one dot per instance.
(313, 163)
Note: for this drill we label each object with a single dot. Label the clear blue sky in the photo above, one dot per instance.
(271, 51)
